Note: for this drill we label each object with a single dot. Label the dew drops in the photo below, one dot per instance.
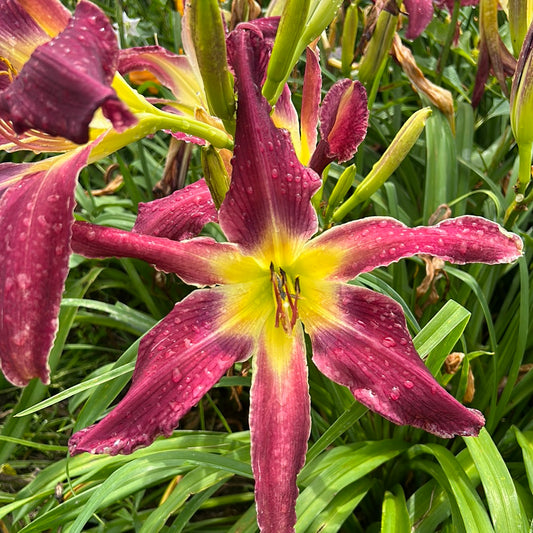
(176, 375)
(395, 393)
(53, 198)
(275, 173)
(408, 384)
(388, 342)
(91, 235)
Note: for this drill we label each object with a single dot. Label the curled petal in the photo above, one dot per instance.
(269, 198)
(280, 423)
(71, 74)
(369, 243)
(201, 261)
(179, 360)
(179, 216)
(420, 15)
(343, 123)
(173, 71)
(36, 220)
(362, 343)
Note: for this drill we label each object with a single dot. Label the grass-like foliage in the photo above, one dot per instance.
(471, 324)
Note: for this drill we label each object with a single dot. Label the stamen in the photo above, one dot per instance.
(286, 302)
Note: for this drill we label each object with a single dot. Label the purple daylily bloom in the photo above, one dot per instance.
(43, 49)
(66, 79)
(268, 283)
(342, 117)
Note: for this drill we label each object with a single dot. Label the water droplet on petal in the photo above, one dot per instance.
(395, 393)
(176, 375)
(275, 173)
(408, 384)
(388, 342)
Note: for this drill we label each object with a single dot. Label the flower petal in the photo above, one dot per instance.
(267, 208)
(173, 71)
(343, 124)
(72, 75)
(310, 103)
(362, 342)
(200, 261)
(179, 216)
(51, 15)
(36, 220)
(366, 244)
(179, 360)
(19, 35)
(280, 423)
(420, 15)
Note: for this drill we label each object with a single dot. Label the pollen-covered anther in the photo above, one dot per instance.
(9, 71)
(286, 298)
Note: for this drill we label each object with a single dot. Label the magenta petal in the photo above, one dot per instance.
(368, 349)
(343, 123)
(179, 216)
(310, 101)
(379, 241)
(270, 191)
(420, 15)
(195, 261)
(71, 74)
(179, 360)
(280, 423)
(36, 220)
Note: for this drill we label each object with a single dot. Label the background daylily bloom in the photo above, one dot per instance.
(67, 79)
(268, 282)
(72, 74)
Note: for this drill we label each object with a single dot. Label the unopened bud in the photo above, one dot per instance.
(216, 174)
(209, 41)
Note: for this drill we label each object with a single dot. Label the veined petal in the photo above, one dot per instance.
(51, 15)
(179, 360)
(173, 71)
(267, 209)
(285, 116)
(420, 14)
(343, 124)
(310, 103)
(362, 342)
(19, 35)
(280, 423)
(72, 75)
(200, 261)
(34, 140)
(36, 220)
(179, 216)
(372, 242)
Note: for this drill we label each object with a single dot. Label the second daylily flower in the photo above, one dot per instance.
(268, 283)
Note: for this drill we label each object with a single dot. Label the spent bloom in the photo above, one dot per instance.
(258, 291)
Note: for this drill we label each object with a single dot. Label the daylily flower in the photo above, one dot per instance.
(56, 72)
(421, 12)
(267, 283)
(342, 117)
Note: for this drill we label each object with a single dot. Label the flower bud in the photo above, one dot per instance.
(215, 173)
(209, 41)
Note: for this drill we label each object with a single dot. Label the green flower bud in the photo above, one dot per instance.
(209, 41)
